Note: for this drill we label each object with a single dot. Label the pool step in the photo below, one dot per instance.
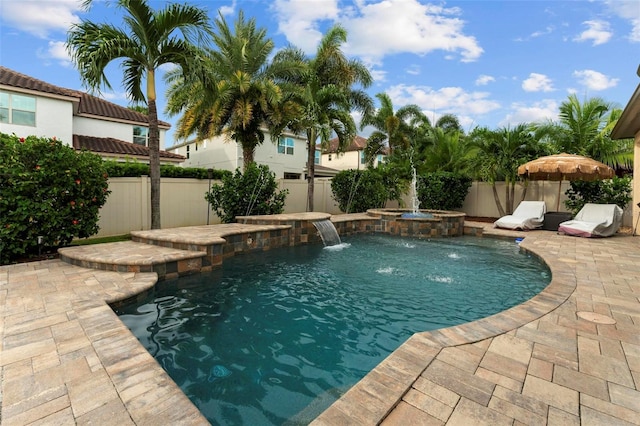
(130, 256)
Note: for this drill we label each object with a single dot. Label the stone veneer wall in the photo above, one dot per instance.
(352, 227)
(301, 232)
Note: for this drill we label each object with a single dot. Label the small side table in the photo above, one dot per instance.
(553, 219)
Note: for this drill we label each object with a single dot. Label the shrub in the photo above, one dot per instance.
(359, 190)
(612, 191)
(135, 169)
(253, 193)
(47, 190)
(442, 190)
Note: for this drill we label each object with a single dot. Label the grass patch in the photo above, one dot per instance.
(113, 239)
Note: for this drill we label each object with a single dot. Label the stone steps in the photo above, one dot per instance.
(131, 256)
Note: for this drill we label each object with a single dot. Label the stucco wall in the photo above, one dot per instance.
(53, 118)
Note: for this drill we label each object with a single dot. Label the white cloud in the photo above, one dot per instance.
(40, 17)
(483, 80)
(537, 112)
(598, 31)
(299, 20)
(228, 10)
(413, 69)
(630, 10)
(380, 28)
(595, 80)
(537, 83)
(547, 30)
(447, 100)
(56, 51)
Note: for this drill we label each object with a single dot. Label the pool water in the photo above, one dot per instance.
(275, 338)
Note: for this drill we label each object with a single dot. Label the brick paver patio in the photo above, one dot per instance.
(571, 355)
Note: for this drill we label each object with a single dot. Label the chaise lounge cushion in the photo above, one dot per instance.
(528, 215)
(594, 220)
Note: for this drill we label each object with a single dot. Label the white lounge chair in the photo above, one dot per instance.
(594, 220)
(528, 215)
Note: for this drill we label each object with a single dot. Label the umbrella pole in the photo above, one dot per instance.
(558, 201)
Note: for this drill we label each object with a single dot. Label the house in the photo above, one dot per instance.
(29, 106)
(628, 126)
(286, 157)
(352, 157)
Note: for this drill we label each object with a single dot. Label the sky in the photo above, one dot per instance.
(491, 63)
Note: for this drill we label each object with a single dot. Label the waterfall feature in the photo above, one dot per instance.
(327, 232)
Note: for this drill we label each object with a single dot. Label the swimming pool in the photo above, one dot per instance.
(277, 337)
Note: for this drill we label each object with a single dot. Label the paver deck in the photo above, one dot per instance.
(65, 357)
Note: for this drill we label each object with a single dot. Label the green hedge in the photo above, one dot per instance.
(443, 190)
(359, 190)
(135, 169)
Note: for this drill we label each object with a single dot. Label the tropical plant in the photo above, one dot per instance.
(446, 151)
(393, 130)
(49, 194)
(500, 153)
(611, 191)
(236, 90)
(327, 92)
(359, 190)
(254, 192)
(584, 128)
(150, 38)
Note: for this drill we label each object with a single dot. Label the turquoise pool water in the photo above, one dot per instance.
(275, 338)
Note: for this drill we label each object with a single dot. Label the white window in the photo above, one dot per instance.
(316, 160)
(380, 158)
(285, 146)
(17, 109)
(141, 135)
(362, 159)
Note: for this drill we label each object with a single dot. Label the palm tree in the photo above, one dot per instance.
(326, 95)
(500, 152)
(393, 129)
(450, 124)
(448, 151)
(236, 91)
(148, 40)
(584, 128)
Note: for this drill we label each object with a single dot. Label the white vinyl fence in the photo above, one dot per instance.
(182, 202)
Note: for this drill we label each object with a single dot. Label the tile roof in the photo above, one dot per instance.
(117, 147)
(358, 143)
(87, 104)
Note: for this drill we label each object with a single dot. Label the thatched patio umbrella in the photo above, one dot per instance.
(565, 167)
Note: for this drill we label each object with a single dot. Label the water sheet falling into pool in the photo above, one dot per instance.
(328, 232)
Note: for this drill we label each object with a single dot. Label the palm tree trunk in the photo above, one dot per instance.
(247, 157)
(497, 199)
(311, 168)
(154, 163)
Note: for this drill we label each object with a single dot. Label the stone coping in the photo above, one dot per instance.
(126, 253)
(203, 235)
(398, 212)
(286, 217)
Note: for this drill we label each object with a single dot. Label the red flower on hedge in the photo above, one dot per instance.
(22, 140)
(73, 203)
(77, 181)
(74, 221)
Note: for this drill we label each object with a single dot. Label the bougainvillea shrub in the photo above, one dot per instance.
(49, 195)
